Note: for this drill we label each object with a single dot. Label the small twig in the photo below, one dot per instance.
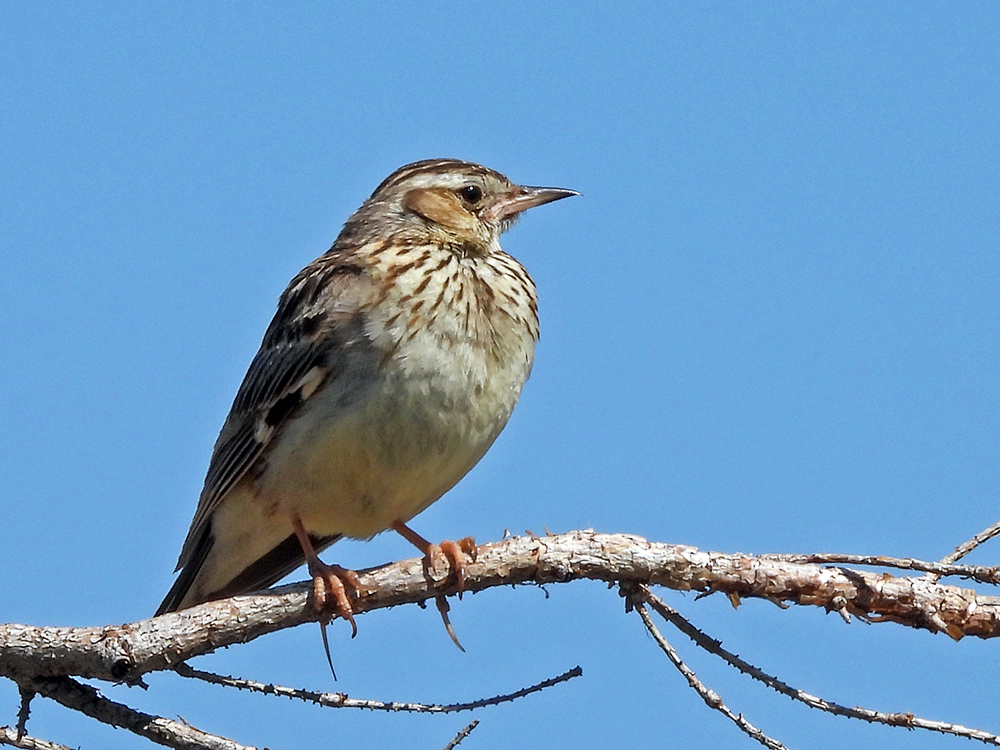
(24, 710)
(980, 573)
(711, 698)
(340, 700)
(87, 700)
(966, 547)
(15, 738)
(462, 735)
(906, 720)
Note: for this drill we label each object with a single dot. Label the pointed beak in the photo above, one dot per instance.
(521, 198)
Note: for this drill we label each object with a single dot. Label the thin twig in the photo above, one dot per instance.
(980, 573)
(89, 701)
(711, 698)
(14, 738)
(462, 735)
(24, 710)
(906, 720)
(340, 700)
(966, 547)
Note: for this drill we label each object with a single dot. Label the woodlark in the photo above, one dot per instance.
(392, 364)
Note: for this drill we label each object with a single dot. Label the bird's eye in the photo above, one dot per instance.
(471, 194)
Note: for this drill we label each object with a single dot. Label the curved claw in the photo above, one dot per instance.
(442, 608)
(334, 580)
(456, 554)
(328, 579)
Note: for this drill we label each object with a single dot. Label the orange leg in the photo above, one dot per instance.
(455, 553)
(331, 580)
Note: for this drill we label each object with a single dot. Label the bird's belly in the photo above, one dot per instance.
(356, 473)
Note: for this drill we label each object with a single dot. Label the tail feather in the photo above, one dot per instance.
(260, 574)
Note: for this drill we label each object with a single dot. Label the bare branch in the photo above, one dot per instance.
(906, 720)
(14, 738)
(126, 652)
(712, 699)
(979, 573)
(340, 700)
(89, 701)
(462, 735)
(44, 660)
(24, 710)
(966, 547)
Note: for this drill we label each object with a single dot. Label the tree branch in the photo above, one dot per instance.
(341, 700)
(14, 738)
(712, 699)
(87, 700)
(905, 720)
(126, 652)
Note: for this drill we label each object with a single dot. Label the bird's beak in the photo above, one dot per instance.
(521, 198)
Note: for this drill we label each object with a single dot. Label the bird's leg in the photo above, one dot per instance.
(328, 579)
(454, 552)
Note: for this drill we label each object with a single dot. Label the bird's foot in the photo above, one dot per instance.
(330, 582)
(330, 585)
(456, 554)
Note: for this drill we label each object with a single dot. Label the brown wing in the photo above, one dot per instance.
(313, 341)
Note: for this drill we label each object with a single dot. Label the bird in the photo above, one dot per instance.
(392, 363)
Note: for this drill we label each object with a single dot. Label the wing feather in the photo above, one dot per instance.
(320, 312)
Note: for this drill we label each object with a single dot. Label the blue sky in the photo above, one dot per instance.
(769, 325)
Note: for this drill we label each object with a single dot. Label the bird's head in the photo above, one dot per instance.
(454, 201)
